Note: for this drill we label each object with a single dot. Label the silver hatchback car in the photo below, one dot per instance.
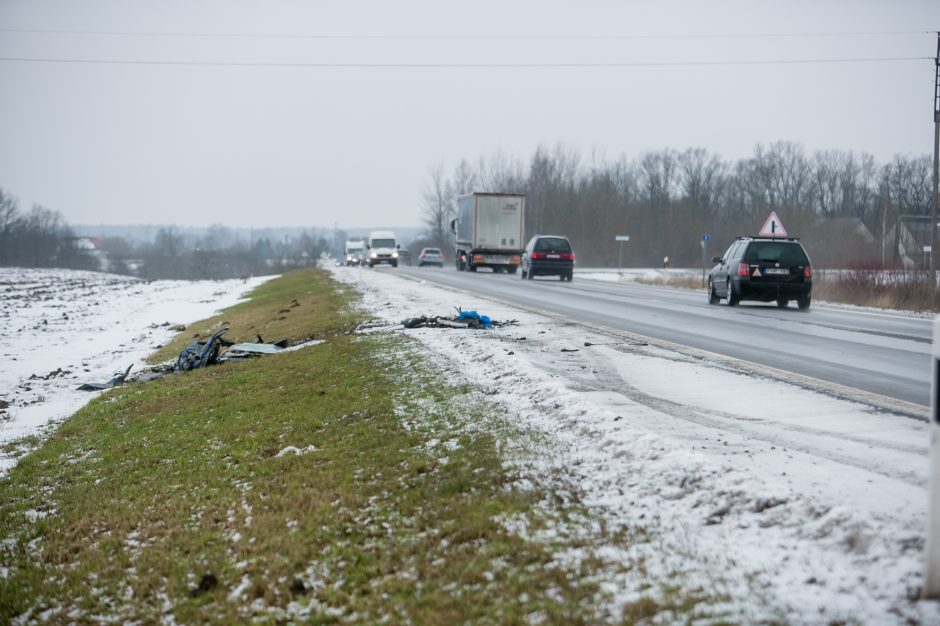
(431, 256)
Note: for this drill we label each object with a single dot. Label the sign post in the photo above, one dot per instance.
(621, 239)
(932, 548)
(705, 239)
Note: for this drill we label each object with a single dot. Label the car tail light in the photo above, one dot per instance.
(743, 269)
(566, 256)
(537, 255)
(807, 271)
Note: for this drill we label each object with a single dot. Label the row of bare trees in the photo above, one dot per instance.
(41, 238)
(667, 200)
(37, 238)
(218, 253)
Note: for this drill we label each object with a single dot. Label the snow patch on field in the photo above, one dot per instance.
(60, 328)
(793, 505)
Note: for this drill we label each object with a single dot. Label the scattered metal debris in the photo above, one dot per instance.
(118, 379)
(200, 354)
(463, 319)
(53, 374)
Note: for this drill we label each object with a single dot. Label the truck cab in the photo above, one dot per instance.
(354, 252)
(381, 247)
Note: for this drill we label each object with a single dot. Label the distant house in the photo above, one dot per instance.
(92, 247)
(852, 226)
(907, 238)
(842, 242)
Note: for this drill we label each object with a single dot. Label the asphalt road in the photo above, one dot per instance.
(881, 353)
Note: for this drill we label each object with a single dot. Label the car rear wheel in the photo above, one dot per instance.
(732, 299)
(803, 302)
(570, 275)
(712, 296)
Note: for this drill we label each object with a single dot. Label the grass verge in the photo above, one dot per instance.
(904, 290)
(908, 290)
(340, 483)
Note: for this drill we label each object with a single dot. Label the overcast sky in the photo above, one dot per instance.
(280, 113)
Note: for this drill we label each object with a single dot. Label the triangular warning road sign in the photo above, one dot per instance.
(757, 272)
(772, 227)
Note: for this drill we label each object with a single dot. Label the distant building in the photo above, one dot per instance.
(92, 247)
(842, 242)
(907, 238)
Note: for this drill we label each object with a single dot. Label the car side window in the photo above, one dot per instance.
(730, 253)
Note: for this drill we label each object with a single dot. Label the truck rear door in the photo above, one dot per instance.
(499, 223)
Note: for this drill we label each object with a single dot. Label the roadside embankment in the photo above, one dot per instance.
(345, 482)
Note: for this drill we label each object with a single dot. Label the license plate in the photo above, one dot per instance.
(778, 271)
(497, 259)
(552, 256)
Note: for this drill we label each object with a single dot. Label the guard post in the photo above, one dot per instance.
(621, 239)
(705, 239)
(932, 549)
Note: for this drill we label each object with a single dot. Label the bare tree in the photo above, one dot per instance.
(9, 222)
(437, 206)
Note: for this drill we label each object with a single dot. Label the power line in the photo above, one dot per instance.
(108, 33)
(262, 64)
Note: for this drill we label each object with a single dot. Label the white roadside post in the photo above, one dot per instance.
(621, 239)
(932, 572)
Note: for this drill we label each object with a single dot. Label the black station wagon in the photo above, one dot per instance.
(548, 255)
(763, 269)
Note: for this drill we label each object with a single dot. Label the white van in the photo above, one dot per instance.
(381, 247)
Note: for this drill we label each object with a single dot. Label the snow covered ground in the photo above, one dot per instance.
(634, 274)
(794, 505)
(61, 328)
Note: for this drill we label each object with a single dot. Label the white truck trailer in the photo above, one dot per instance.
(488, 231)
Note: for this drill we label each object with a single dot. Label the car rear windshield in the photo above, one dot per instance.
(431, 251)
(383, 243)
(552, 244)
(786, 252)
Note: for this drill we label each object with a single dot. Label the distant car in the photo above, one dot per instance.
(762, 269)
(431, 256)
(548, 255)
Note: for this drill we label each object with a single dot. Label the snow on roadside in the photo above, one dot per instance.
(795, 505)
(60, 328)
(633, 275)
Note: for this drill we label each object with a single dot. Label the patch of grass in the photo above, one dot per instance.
(908, 290)
(343, 482)
(299, 306)
(677, 280)
(19, 447)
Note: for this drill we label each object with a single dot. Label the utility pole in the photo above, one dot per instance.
(936, 158)
(932, 547)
